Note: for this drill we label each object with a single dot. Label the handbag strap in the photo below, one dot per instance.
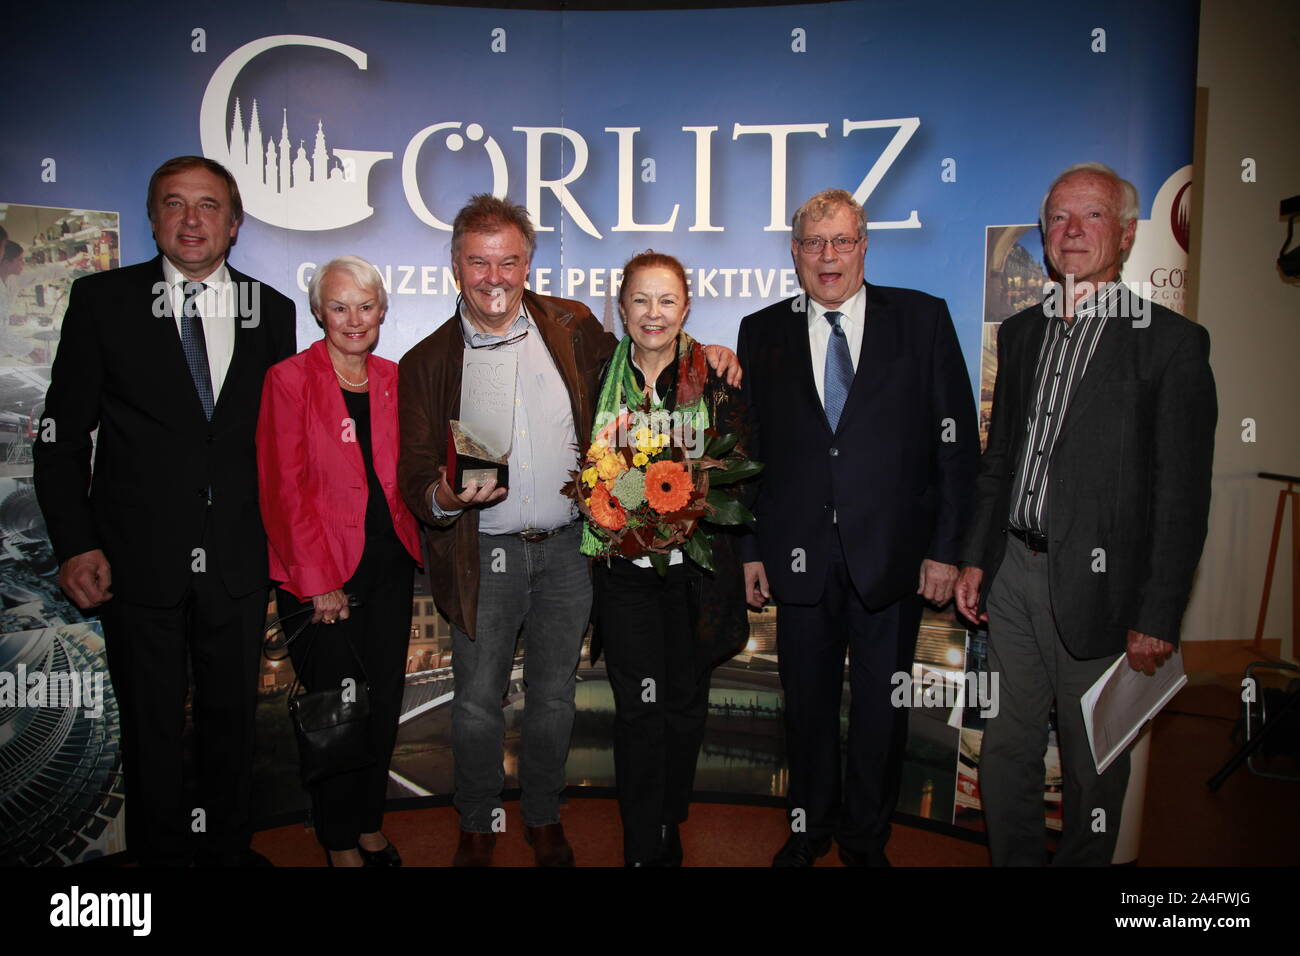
(297, 671)
(272, 645)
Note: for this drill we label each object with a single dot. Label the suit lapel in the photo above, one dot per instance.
(383, 430)
(800, 353)
(243, 358)
(1033, 344)
(561, 340)
(881, 343)
(1110, 348)
(323, 386)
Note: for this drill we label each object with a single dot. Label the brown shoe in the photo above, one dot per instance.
(550, 848)
(475, 849)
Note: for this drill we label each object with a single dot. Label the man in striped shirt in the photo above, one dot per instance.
(1090, 514)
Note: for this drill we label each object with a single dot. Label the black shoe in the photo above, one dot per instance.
(671, 854)
(801, 850)
(388, 856)
(851, 857)
(667, 844)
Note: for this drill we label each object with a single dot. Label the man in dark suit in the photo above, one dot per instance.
(166, 358)
(865, 423)
(1090, 513)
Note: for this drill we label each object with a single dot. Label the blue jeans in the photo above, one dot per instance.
(541, 590)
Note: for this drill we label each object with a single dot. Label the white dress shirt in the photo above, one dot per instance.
(217, 305)
(853, 317)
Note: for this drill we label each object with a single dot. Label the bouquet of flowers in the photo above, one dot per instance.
(646, 486)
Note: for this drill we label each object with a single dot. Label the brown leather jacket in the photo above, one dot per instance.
(429, 396)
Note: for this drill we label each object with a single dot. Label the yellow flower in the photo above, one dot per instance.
(661, 440)
(610, 467)
(589, 477)
(640, 459)
(643, 436)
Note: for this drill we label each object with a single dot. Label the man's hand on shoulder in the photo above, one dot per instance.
(86, 578)
(723, 361)
(1145, 653)
(472, 497)
(969, 582)
(936, 581)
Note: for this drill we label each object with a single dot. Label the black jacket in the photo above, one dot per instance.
(896, 473)
(120, 368)
(1130, 476)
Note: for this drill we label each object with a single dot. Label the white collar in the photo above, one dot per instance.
(522, 321)
(174, 276)
(853, 310)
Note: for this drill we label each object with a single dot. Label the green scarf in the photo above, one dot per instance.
(620, 382)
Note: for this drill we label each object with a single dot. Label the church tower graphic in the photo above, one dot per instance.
(280, 185)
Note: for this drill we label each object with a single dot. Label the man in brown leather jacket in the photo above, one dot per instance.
(505, 564)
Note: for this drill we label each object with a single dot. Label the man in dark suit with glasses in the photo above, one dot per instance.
(865, 422)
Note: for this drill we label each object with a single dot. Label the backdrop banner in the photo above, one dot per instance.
(362, 127)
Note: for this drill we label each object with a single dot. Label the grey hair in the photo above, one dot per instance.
(822, 204)
(359, 270)
(490, 214)
(1128, 192)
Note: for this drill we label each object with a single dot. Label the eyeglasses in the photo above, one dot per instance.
(496, 345)
(815, 244)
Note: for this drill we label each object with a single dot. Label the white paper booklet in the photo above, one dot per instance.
(1122, 700)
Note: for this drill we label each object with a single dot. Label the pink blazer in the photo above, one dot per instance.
(311, 476)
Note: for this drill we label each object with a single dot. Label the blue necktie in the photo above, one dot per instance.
(839, 370)
(195, 346)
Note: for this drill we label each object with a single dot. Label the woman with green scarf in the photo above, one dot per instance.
(664, 628)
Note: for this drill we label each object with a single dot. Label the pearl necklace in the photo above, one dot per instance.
(361, 384)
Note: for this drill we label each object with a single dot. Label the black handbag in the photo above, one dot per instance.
(332, 726)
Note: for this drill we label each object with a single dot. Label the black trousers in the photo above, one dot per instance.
(811, 646)
(151, 653)
(661, 694)
(379, 629)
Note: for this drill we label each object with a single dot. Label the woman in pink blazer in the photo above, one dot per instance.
(336, 527)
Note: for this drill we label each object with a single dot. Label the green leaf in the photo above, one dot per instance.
(719, 445)
(699, 549)
(734, 471)
(726, 510)
(660, 563)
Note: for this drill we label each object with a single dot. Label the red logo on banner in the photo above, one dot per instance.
(1180, 216)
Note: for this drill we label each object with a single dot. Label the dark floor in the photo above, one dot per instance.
(1250, 821)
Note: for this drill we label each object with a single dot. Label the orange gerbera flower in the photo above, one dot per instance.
(606, 509)
(668, 486)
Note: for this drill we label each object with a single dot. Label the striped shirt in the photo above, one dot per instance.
(1062, 361)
